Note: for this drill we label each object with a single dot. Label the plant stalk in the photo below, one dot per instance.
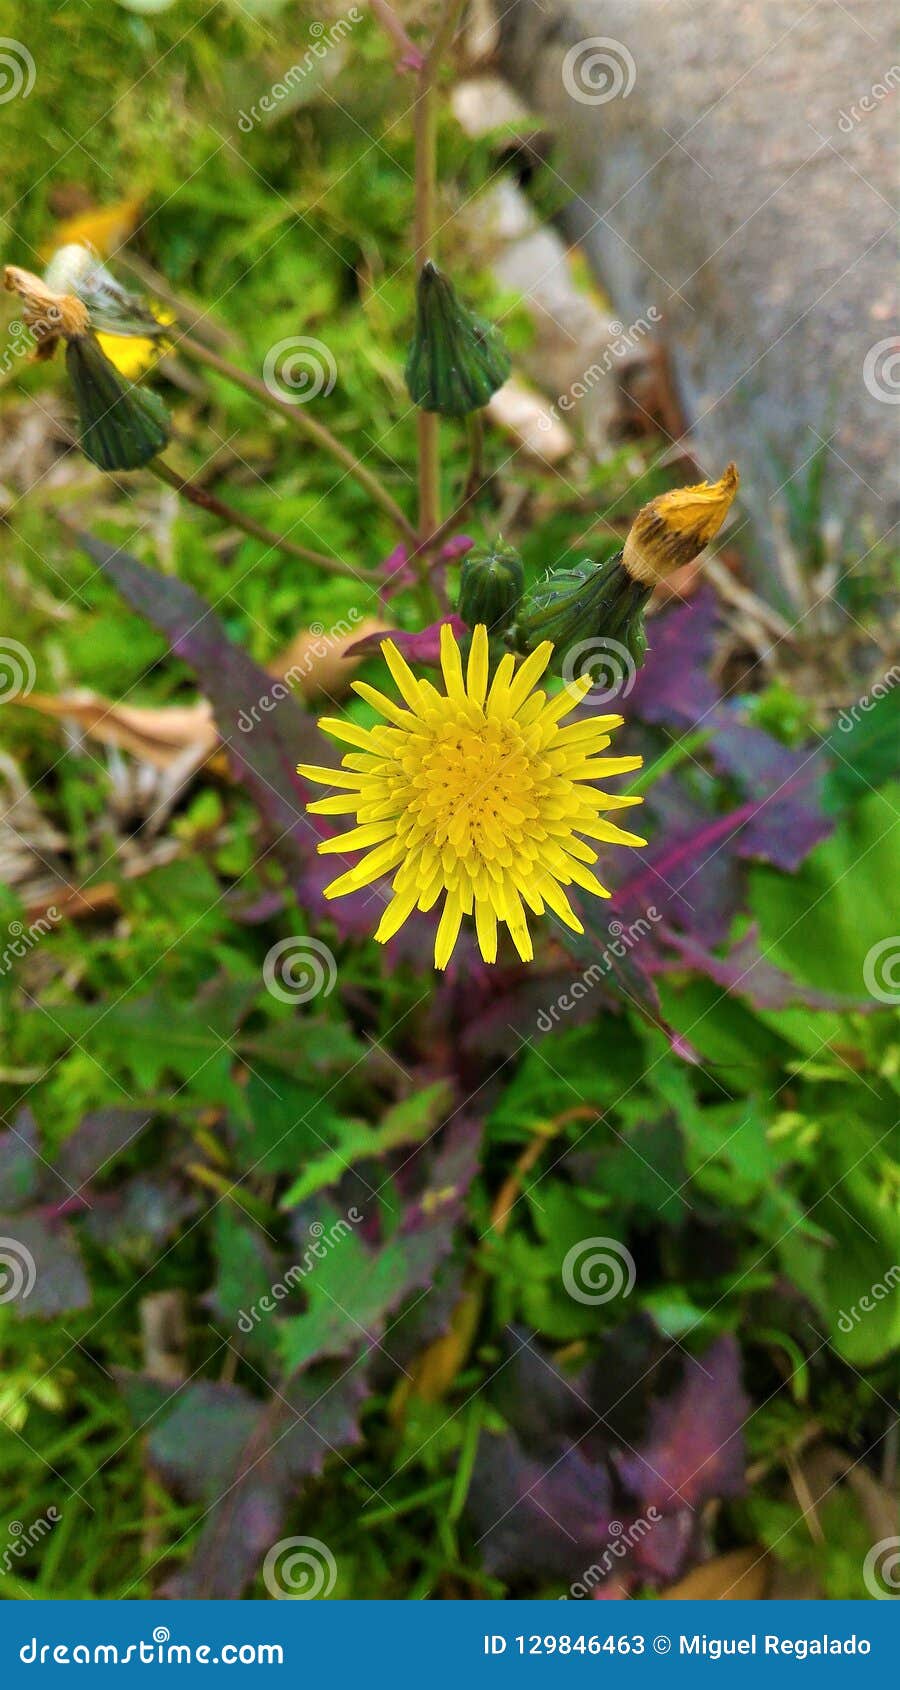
(425, 128)
(305, 424)
(217, 507)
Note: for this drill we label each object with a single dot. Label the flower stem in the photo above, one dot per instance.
(305, 424)
(425, 193)
(208, 502)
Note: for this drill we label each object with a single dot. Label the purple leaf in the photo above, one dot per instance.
(19, 1161)
(266, 737)
(600, 1480)
(746, 974)
(538, 1518)
(98, 1140)
(41, 1271)
(695, 1449)
(785, 819)
(424, 647)
(289, 1440)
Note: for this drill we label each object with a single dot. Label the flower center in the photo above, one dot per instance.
(469, 789)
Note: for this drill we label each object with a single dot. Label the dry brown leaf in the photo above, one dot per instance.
(156, 735)
(314, 662)
(740, 1576)
(434, 1370)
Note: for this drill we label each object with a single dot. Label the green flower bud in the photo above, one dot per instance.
(490, 586)
(122, 426)
(591, 601)
(457, 360)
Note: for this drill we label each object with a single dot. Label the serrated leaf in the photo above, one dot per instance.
(408, 1122)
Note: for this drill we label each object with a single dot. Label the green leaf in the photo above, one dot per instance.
(408, 1122)
(865, 744)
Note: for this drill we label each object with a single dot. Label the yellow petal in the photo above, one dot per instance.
(448, 930)
(527, 674)
(358, 839)
(404, 679)
(451, 665)
(349, 732)
(331, 777)
(500, 684)
(400, 907)
(486, 929)
(384, 706)
(477, 667)
(369, 869)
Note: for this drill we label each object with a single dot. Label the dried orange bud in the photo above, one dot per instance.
(672, 529)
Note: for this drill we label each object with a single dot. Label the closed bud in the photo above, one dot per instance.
(490, 587)
(591, 601)
(457, 360)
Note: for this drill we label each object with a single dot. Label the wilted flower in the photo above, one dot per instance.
(122, 426)
(131, 335)
(477, 794)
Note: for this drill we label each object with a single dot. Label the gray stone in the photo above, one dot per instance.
(733, 164)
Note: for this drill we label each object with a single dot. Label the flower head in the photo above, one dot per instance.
(479, 793)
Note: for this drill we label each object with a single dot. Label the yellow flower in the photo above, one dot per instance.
(478, 793)
(133, 355)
